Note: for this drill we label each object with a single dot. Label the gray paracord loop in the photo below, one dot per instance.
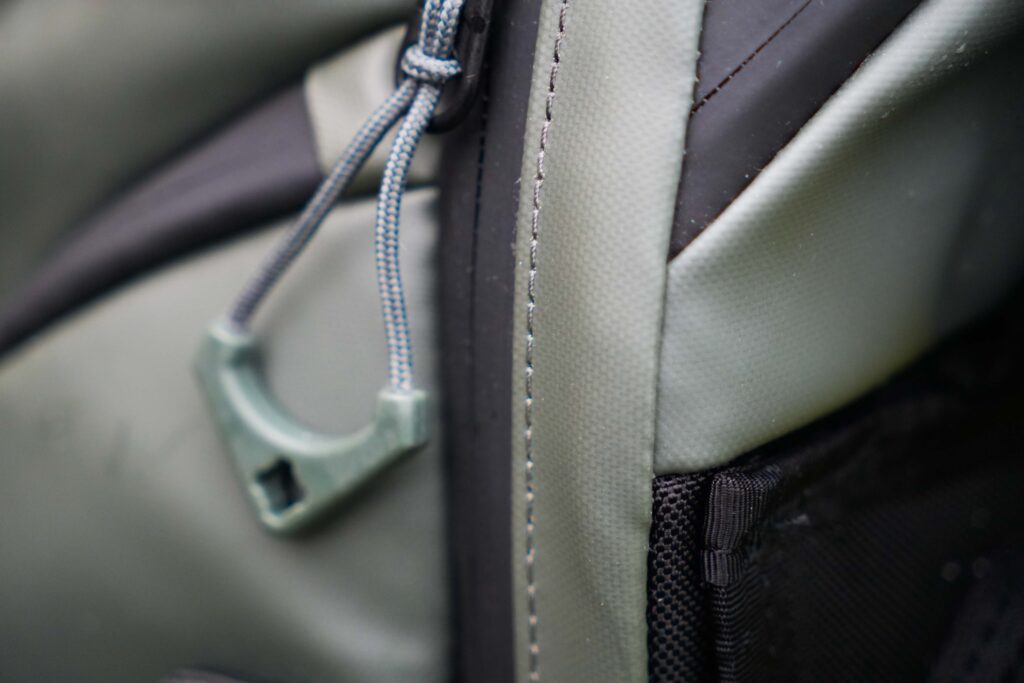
(428, 64)
(292, 473)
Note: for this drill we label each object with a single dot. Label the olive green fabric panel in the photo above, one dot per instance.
(129, 548)
(892, 218)
(93, 93)
(343, 91)
(608, 106)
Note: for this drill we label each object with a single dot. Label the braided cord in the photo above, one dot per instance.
(428, 62)
(427, 65)
(345, 169)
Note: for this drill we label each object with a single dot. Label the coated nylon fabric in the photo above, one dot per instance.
(891, 219)
(600, 172)
(92, 94)
(126, 536)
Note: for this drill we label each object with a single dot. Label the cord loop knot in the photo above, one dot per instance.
(419, 65)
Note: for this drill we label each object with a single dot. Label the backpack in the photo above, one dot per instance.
(700, 356)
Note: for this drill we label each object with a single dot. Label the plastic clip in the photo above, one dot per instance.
(293, 474)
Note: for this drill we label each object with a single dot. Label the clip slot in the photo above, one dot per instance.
(293, 474)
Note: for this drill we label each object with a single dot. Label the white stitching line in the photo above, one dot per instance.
(531, 307)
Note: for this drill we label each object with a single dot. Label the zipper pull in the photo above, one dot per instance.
(291, 473)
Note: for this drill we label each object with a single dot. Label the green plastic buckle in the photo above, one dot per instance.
(291, 473)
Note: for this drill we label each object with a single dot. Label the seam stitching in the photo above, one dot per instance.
(531, 307)
(749, 58)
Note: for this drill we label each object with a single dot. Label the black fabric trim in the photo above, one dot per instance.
(479, 201)
(258, 168)
(765, 69)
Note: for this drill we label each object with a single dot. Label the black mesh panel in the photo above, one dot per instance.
(678, 641)
(855, 549)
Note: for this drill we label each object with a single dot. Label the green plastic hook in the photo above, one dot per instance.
(291, 473)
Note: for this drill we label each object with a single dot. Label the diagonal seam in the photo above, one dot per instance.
(753, 55)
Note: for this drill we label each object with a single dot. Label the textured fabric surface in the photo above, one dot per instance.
(892, 218)
(851, 548)
(600, 171)
(126, 535)
(678, 637)
(92, 94)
